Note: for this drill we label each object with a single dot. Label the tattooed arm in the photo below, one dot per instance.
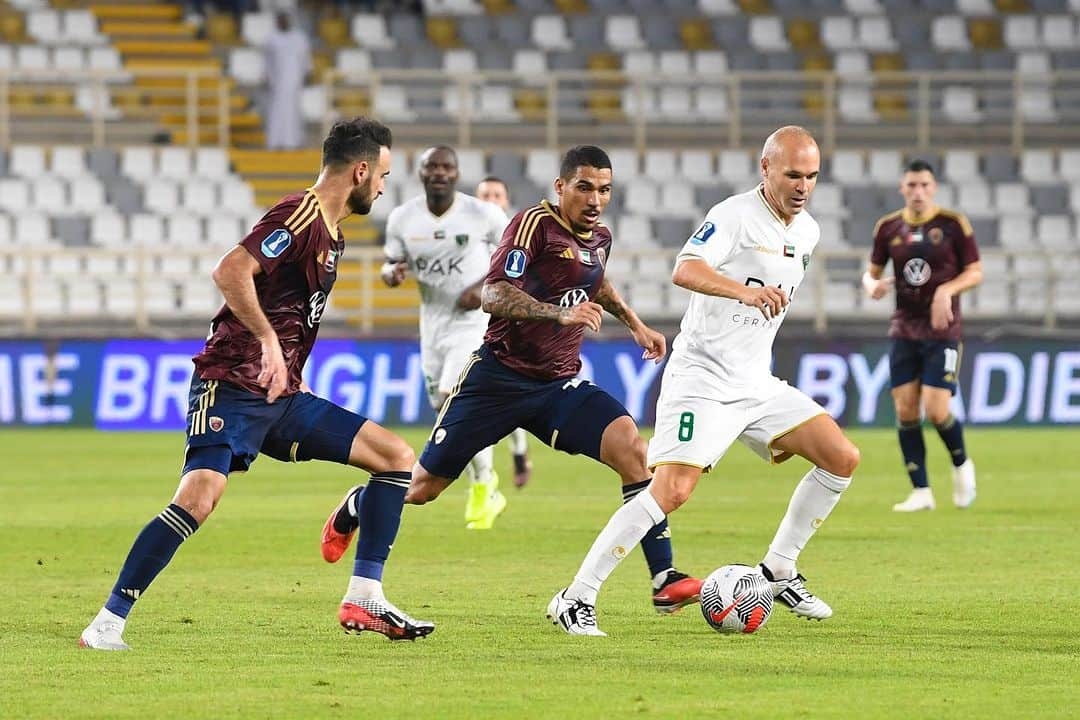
(502, 299)
(654, 343)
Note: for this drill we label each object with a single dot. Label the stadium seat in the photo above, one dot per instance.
(711, 103)
(675, 63)
(1014, 232)
(1037, 104)
(1037, 166)
(738, 168)
(875, 34)
(960, 104)
(828, 201)
(108, 228)
(68, 161)
(1055, 232)
(211, 163)
(83, 296)
(247, 65)
(676, 104)
(256, 28)
(767, 34)
(104, 59)
(885, 167)
(27, 161)
(199, 196)
(838, 33)
(119, 298)
(459, 61)
(138, 163)
(1021, 32)
(949, 33)
(224, 230)
(68, 59)
(677, 200)
(697, 165)
(146, 229)
(49, 194)
(1069, 164)
(660, 165)
(44, 26)
(622, 32)
(161, 196)
(852, 63)
(635, 231)
(1033, 62)
(80, 28)
(353, 61)
(1011, 198)
(530, 64)
(848, 167)
(710, 62)
(497, 104)
(549, 32)
(391, 103)
(961, 166)
(1059, 32)
(87, 195)
(174, 163)
(856, 103)
(7, 237)
(32, 228)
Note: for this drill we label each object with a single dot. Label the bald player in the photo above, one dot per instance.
(743, 265)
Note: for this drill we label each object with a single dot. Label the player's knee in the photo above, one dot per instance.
(847, 460)
(624, 450)
(938, 416)
(671, 492)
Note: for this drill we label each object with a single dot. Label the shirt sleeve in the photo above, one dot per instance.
(521, 243)
(275, 241)
(496, 225)
(967, 251)
(879, 255)
(394, 245)
(715, 238)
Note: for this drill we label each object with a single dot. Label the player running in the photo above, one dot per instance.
(743, 265)
(934, 259)
(446, 238)
(546, 285)
(247, 396)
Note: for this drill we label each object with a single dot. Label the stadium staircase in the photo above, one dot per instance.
(275, 173)
(150, 35)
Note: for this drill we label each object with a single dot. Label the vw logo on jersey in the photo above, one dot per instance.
(573, 297)
(276, 243)
(515, 263)
(917, 272)
(317, 303)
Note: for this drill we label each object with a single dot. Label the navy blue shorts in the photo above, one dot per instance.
(932, 362)
(491, 400)
(228, 426)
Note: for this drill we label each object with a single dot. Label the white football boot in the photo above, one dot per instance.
(793, 593)
(963, 483)
(105, 632)
(576, 617)
(919, 499)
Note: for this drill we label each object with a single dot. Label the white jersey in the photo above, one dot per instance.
(744, 239)
(447, 254)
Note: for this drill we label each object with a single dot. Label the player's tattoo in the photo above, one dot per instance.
(502, 299)
(609, 299)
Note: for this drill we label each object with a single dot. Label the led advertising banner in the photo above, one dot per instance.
(143, 384)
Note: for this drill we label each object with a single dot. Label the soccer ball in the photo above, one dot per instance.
(736, 599)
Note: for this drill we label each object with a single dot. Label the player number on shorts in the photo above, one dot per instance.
(952, 356)
(686, 426)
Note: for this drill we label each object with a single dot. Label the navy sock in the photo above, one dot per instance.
(379, 513)
(150, 553)
(657, 542)
(914, 451)
(952, 434)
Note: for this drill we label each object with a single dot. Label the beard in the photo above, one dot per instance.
(360, 199)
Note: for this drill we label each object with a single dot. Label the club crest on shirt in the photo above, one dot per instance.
(515, 263)
(936, 236)
(276, 243)
(586, 257)
(601, 256)
(461, 240)
(216, 423)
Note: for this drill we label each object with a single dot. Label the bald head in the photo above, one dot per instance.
(787, 138)
(790, 163)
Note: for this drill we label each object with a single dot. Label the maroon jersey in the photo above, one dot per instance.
(298, 252)
(541, 255)
(924, 254)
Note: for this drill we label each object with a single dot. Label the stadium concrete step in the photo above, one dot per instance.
(156, 30)
(137, 11)
(167, 48)
(209, 136)
(275, 162)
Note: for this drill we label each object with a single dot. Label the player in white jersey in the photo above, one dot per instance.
(743, 265)
(446, 239)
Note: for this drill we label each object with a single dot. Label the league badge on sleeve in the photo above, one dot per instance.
(515, 263)
(276, 243)
(703, 233)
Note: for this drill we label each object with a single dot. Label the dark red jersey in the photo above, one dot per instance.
(299, 252)
(925, 253)
(541, 255)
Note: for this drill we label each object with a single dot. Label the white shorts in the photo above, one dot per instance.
(442, 362)
(696, 430)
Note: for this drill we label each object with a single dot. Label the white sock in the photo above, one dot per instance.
(814, 498)
(362, 588)
(480, 466)
(519, 442)
(623, 531)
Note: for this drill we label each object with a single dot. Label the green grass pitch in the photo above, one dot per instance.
(950, 614)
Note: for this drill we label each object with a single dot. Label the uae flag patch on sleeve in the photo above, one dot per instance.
(789, 251)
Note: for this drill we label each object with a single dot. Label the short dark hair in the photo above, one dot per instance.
(919, 165)
(492, 178)
(583, 156)
(354, 140)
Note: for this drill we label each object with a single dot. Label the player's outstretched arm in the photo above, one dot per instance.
(654, 343)
(235, 277)
(470, 297)
(875, 285)
(502, 299)
(698, 276)
(393, 272)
